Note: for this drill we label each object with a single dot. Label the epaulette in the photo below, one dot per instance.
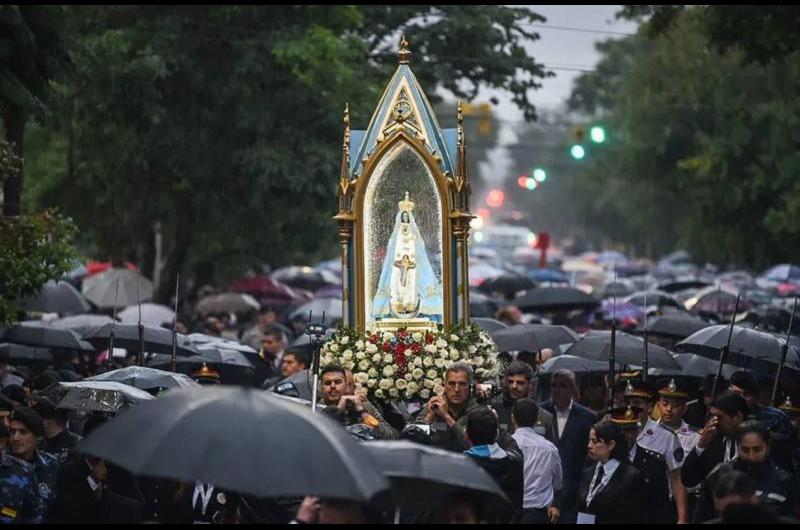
(668, 429)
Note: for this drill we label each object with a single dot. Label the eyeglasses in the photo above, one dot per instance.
(23, 432)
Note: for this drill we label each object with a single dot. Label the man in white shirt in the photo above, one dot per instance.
(542, 466)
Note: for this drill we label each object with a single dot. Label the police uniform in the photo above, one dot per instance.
(45, 470)
(211, 505)
(20, 501)
(61, 445)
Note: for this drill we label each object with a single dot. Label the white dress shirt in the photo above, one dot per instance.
(562, 417)
(542, 468)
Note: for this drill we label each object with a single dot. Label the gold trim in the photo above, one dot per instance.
(404, 54)
(370, 164)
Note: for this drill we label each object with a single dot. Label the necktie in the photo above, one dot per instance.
(600, 473)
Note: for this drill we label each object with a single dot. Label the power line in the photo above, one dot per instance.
(578, 30)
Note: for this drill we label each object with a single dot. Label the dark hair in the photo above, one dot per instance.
(299, 356)
(3, 430)
(5, 357)
(46, 409)
(331, 368)
(6, 404)
(747, 382)
(753, 427)
(29, 418)
(525, 411)
(607, 431)
(731, 404)
(708, 385)
(482, 426)
(276, 333)
(734, 483)
(43, 380)
(15, 393)
(520, 368)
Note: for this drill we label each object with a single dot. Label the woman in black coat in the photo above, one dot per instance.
(611, 489)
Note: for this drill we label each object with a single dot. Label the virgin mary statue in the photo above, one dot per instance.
(408, 287)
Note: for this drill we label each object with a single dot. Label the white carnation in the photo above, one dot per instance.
(454, 356)
(334, 348)
(377, 358)
(413, 388)
(349, 365)
(344, 340)
(431, 374)
(363, 365)
(401, 384)
(360, 355)
(379, 394)
(359, 344)
(472, 348)
(408, 377)
(347, 355)
(438, 363)
(454, 338)
(441, 343)
(430, 348)
(428, 383)
(388, 371)
(387, 359)
(416, 337)
(427, 362)
(393, 393)
(417, 373)
(371, 383)
(385, 384)
(371, 348)
(444, 354)
(373, 373)
(418, 361)
(361, 378)
(425, 393)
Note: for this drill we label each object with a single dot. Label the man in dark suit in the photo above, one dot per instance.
(519, 384)
(573, 424)
(717, 442)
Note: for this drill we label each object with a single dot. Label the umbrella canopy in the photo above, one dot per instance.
(57, 297)
(145, 378)
(507, 284)
(422, 476)
(156, 340)
(332, 307)
(682, 285)
(746, 344)
(488, 324)
(533, 337)
(227, 303)
(262, 286)
(716, 301)
(653, 298)
(574, 364)
(579, 265)
(305, 277)
(203, 339)
(222, 435)
(81, 324)
(19, 352)
(35, 334)
(547, 276)
(480, 272)
(555, 299)
(299, 385)
(596, 345)
(693, 366)
(101, 289)
(218, 354)
(783, 273)
(675, 326)
(152, 314)
(482, 305)
(94, 396)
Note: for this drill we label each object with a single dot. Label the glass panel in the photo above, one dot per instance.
(402, 243)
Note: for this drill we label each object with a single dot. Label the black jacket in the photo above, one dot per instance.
(507, 472)
(621, 501)
(696, 467)
(545, 423)
(654, 472)
(572, 445)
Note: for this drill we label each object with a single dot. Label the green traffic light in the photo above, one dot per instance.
(597, 134)
(577, 152)
(539, 174)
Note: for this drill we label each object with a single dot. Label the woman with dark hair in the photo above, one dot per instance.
(611, 490)
(776, 489)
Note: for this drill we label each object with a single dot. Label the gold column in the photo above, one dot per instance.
(344, 219)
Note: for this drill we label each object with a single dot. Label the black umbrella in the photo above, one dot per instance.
(156, 340)
(145, 378)
(94, 396)
(19, 352)
(331, 307)
(574, 364)
(533, 337)
(246, 441)
(746, 345)
(680, 285)
(596, 345)
(555, 299)
(38, 335)
(488, 324)
(217, 354)
(482, 305)
(57, 297)
(693, 366)
(422, 476)
(675, 326)
(81, 324)
(656, 298)
(507, 284)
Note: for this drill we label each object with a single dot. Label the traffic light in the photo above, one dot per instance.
(577, 152)
(597, 134)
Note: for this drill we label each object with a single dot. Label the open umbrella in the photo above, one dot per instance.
(19, 352)
(653, 298)
(32, 334)
(94, 396)
(227, 303)
(533, 337)
(596, 345)
(81, 323)
(277, 449)
(555, 299)
(265, 288)
(547, 276)
(101, 289)
(145, 378)
(305, 277)
(693, 366)
(746, 345)
(715, 301)
(332, 307)
(423, 476)
(482, 305)
(218, 354)
(156, 340)
(507, 284)
(675, 325)
(574, 364)
(152, 314)
(682, 285)
(488, 324)
(783, 273)
(57, 297)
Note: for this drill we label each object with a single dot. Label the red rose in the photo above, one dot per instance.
(373, 338)
(429, 338)
(416, 347)
(401, 348)
(387, 347)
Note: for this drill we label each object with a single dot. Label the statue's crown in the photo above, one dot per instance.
(406, 205)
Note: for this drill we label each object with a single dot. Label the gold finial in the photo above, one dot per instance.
(406, 205)
(404, 54)
(629, 413)
(629, 388)
(460, 113)
(672, 387)
(347, 127)
(788, 403)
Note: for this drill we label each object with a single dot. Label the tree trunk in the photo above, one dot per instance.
(14, 122)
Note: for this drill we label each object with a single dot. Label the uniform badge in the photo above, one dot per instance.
(8, 512)
(221, 498)
(44, 490)
(649, 432)
(678, 454)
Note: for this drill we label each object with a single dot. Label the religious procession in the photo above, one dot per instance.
(468, 347)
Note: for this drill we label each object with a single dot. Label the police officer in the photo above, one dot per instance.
(650, 463)
(25, 428)
(672, 403)
(658, 438)
(19, 500)
(211, 505)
